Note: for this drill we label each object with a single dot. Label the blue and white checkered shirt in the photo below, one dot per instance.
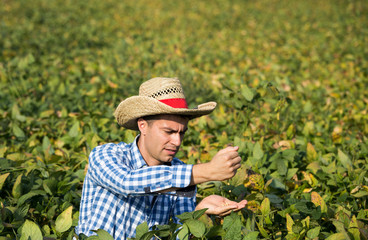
(116, 191)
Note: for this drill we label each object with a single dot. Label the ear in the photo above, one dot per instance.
(142, 125)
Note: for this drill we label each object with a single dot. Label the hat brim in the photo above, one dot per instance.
(135, 107)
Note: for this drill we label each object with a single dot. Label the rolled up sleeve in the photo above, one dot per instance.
(109, 169)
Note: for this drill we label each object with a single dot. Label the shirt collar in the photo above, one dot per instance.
(138, 161)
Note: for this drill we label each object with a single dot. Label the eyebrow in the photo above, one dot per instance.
(173, 130)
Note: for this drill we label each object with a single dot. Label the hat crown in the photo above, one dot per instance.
(162, 88)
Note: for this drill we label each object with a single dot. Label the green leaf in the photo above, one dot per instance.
(102, 234)
(337, 236)
(51, 212)
(129, 135)
(16, 115)
(247, 93)
(318, 201)
(232, 226)
(46, 145)
(339, 224)
(289, 223)
(184, 233)
(314, 167)
(167, 230)
(17, 187)
(46, 188)
(316, 213)
(277, 184)
(185, 216)
(73, 132)
(197, 214)
(30, 230)
(314, 232)
(257, 151)
(265, 210)
(17, 131)
(311, 153)
(25, 61)
(265, 207)
(344, 159)
(274, 198)
(289, 154)
(262, 231)
(21, 212)
(94, 237)
(360, 194)
(304, 207)
(308, 107)
(29, 195)
(64, 220)
(141, 230)
(196, 227)
(215, 231)
(281, 166)
(251, 236)
(297, 228)
(291, 172)
(2, 152)
(149, 235)
(2, 179)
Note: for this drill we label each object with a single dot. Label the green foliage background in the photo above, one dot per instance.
(290, 78)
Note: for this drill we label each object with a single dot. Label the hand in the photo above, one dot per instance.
(224, 164)
(220, 206)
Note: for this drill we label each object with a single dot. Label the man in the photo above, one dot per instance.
(128, 184)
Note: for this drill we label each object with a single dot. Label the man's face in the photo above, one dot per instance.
(160, 139)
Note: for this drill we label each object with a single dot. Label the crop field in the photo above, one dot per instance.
(290, 79)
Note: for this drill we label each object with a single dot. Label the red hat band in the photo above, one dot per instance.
(175, 102)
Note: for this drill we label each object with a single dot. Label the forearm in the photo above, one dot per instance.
(107, 171)
(200, 174)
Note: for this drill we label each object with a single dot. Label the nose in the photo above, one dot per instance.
(176, 139)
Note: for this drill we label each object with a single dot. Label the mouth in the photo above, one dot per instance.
(171, 151)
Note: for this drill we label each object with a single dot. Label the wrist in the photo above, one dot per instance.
(201, 173)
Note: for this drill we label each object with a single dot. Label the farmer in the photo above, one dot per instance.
(128, 184)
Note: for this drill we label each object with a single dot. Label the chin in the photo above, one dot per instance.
(169, 159)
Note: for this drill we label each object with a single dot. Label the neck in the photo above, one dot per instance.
(149, 161)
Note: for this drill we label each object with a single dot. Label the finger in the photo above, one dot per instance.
(232, 159)
(225, 209)
(237, 166)
(237, 210)
(229, 149)
(227, 212)
(242, 204)
(235, 161)
(231, 154)
(229, 202)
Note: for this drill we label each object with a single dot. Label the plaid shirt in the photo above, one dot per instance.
(116, 191)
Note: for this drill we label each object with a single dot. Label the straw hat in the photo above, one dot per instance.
(158, 96)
